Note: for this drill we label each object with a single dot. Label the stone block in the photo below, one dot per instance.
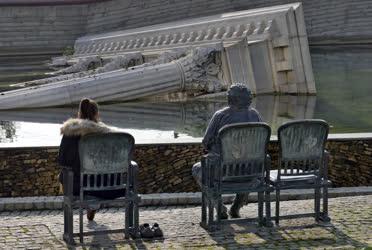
(38, 205)
(9, 206)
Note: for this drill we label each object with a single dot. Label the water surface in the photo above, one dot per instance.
(343, 81)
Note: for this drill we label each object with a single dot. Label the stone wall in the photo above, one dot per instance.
(326, 21)
(167, 167)
(350, 163)
(40, 29)
(28, 172)
(50, 28)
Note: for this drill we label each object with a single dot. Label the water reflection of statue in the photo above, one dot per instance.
(197, 115)
(7, 131)
(239, 100)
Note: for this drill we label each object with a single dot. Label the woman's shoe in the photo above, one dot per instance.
(146, 231)
(157, 231)
(90, 214)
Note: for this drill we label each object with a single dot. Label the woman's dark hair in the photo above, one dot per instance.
(88, 109)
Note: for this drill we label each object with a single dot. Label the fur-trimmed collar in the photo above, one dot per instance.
(80, 127)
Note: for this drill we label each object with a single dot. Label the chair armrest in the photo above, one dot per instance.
(207, 173)
(209, 170)
(68, 181)
(325, 165)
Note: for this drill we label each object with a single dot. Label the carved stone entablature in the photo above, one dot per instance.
(194, 32)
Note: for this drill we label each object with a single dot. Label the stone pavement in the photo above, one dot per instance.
(351, 228)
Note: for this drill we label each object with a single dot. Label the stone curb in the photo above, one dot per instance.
(167, 199)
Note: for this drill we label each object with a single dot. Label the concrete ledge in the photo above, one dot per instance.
(167, 199)
(192, 141)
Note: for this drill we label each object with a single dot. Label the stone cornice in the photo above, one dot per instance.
(255, 24)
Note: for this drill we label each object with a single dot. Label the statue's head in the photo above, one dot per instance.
(239, 96)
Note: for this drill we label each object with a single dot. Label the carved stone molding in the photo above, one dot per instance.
(224, 27)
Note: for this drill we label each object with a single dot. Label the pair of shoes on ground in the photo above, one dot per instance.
(150, 232)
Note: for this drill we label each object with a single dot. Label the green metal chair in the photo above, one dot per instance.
(302, 163)
(242, 166)
(105, 164)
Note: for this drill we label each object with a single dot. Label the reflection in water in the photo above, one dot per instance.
(190, 118)
(342, 78)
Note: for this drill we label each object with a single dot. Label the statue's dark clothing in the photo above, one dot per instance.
(222, 117)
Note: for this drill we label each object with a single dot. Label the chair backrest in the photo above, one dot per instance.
(243, 150)
(104, 160)
(301, 146)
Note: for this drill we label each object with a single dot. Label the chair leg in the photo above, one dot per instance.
(268, 222)
(210, 214)
(277, 206)
(203, 210)
(65, 220)
(219, 211)
(68, 227)
(260, 208)
(317, 203)
(131, 214)
(127, 220)
(135, 225)
(81, 224)
(325, 216)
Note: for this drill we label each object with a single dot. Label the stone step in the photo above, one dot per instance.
(167, 199)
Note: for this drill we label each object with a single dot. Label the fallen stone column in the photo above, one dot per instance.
(189, 72)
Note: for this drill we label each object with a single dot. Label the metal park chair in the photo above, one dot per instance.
(105, 164)
(242, 166)
(302, 163)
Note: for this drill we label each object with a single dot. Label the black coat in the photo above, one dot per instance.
(69, 157)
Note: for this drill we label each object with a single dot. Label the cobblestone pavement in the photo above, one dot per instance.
(351, 228)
